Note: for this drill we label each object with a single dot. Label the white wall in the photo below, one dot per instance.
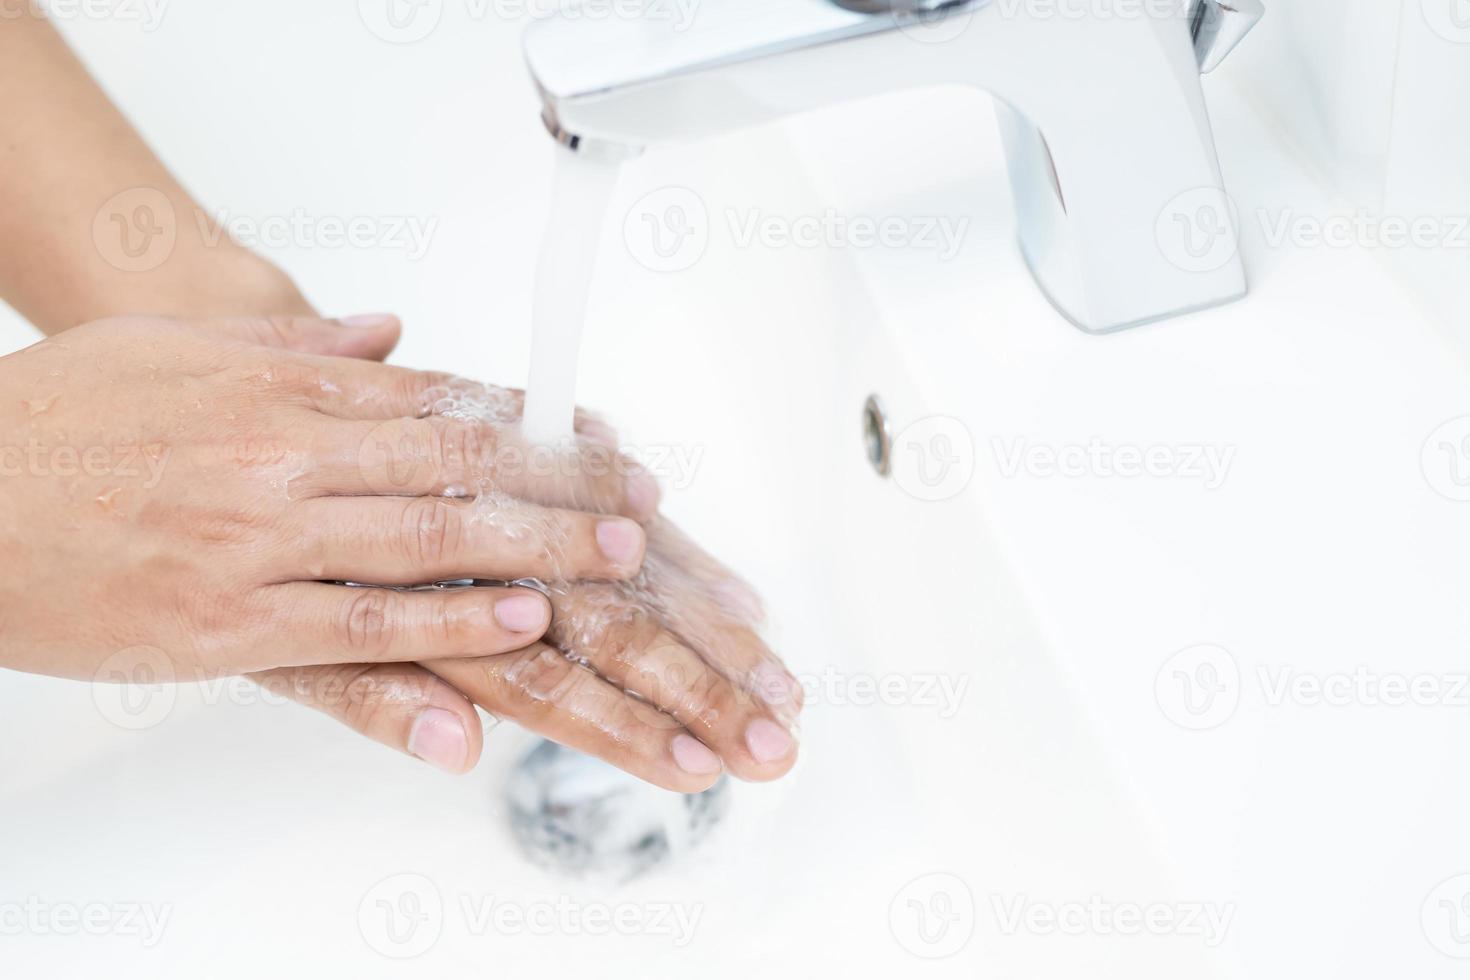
(1375, 95)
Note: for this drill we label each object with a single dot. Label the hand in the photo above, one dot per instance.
(664, 674)
(190, 491)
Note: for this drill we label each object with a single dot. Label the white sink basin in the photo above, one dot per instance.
(1061, 783)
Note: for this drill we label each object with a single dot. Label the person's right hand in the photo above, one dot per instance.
(664, 675)
(195, 491)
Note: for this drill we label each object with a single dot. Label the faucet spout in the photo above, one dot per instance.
(1108, 144)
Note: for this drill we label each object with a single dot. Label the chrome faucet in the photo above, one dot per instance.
(1121, 208)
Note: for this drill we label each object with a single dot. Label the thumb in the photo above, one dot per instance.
(369, 337)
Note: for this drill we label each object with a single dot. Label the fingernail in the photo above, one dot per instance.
(366, 321)
(521, 613)
(438, 738)
(621, 541)
(643, 494)
(768, 741)
(693, 756)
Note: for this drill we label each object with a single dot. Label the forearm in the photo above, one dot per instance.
(91, 223)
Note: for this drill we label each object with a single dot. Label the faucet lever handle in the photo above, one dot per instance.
(1217, 26)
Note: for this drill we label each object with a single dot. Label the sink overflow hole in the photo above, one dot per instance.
(876, 436)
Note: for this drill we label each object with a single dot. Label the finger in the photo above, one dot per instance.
(403, 706)
(372, 336)
(347, 624)
(714, 612)
(722, 591)
(379, 392)
(440, 456)
(541, 690)
(415, 540)
(610, 630)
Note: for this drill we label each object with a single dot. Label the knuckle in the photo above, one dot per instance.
(597, 623)
(449, 628)
(416, 388)
(356, 697)
(276, 331)
(708, 700)
(219, 615)
(462, 447)
(433, 531)
(333, 689)
(371, 618)
(625, 645)
(544, 679)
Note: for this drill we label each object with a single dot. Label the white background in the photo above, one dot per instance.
(1331, 831)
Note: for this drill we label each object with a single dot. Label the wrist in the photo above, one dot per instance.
(221, 280)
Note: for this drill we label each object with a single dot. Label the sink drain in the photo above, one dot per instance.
(581, 817)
